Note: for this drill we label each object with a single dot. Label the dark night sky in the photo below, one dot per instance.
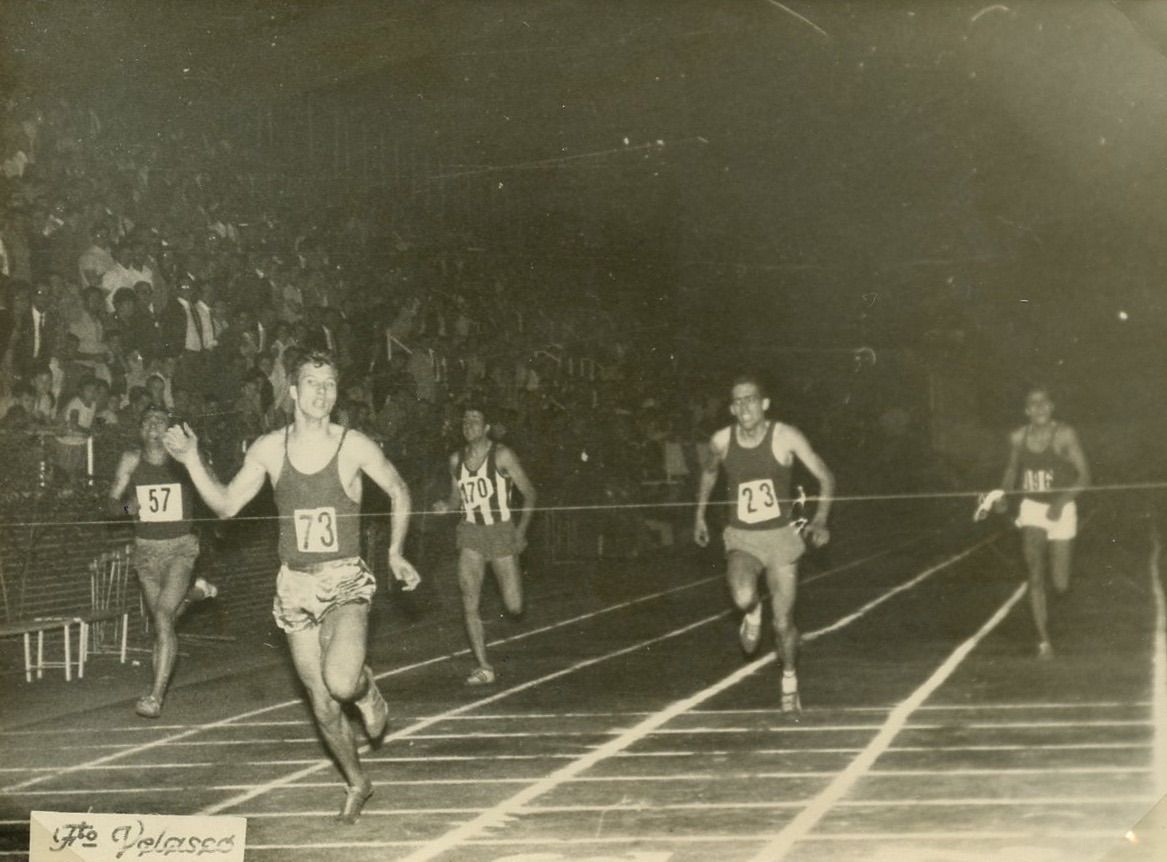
(993, 167)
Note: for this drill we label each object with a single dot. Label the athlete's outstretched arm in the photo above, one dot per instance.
(121, 481)
(1072, 452)
(818, 468)
(454, 499)
(508, 462)
(1009, 479)
(717, 449)
(224, 500)
(376, 466)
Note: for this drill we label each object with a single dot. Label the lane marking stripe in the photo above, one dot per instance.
(809, 817)
(498, 814)
(146, 746)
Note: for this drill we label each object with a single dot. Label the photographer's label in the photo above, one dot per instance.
(62, 837)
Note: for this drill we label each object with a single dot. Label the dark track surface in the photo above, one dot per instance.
(618, 731)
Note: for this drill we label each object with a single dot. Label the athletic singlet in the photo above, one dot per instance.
(165, 500)
(1043, 472)
(485, 491)
(318, 520)
(759, 486)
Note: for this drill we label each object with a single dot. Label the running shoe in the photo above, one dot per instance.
(791, 703)
(148, 706)
(354, 802)
(1045, 651)
(373, 709)
(481, 676)
(750, 631)
(208, 590)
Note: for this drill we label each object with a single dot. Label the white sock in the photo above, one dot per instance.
(789, 682)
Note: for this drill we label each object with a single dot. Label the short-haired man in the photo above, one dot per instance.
(324, 589)
(160, 500)
(1047, 465)
(482, 474)
(758, 456)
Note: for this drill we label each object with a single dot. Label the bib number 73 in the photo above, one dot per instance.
(757, 502)
(316, 530)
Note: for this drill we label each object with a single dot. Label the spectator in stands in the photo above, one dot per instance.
(45, 407)
(81, 409)
(129, 269)
(97, 259)
(87, 325)
(33, 328)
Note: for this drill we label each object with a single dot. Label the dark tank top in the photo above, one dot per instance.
(319, 522)
(165, 499)
(1045, 472)
(758, 485)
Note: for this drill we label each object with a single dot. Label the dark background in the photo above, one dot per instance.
(979, 185)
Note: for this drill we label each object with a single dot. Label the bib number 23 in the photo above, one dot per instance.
(757, 502)
(316, 530)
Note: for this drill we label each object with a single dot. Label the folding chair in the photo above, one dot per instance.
(105, 627)
(38, 626)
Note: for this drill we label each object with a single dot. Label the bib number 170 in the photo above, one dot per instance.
(316, 530)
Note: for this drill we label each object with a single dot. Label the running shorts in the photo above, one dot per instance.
(153, 559)
(780, 546)
(1033, 513)
(490, 541)
(304, 598)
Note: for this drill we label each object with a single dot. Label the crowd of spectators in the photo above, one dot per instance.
(141, 269)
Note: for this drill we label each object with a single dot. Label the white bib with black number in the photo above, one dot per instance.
(757, 502)
(159, 503)
(316, 531)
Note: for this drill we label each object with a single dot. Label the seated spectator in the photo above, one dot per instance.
(97, 259)
(137, 400)
(88, 326)
(103, 413)
(130, 268)
(21, 399)
(44, 409)
(81, 410)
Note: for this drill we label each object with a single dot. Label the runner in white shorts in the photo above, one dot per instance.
(1047, 465)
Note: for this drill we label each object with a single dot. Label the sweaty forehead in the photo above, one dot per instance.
(317, 373)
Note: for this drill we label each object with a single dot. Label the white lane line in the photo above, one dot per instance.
(648, 807)
(559, 716)
(499, 813)
(423, 724)
(257, 741)
(750, 778)
(1037, 746)
(233, 720)
(413, 729)
(1159, 667)
(688, 753)
(666, 839)
(212, 725)
(809, 817)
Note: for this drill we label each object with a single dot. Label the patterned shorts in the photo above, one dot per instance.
(303, 599)
(154, 559)
(781, 546)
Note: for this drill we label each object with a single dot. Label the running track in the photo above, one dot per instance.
(626, 725)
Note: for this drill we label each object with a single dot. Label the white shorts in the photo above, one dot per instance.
(1033, 514)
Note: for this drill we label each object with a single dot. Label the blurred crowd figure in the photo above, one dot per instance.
(140, 269)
